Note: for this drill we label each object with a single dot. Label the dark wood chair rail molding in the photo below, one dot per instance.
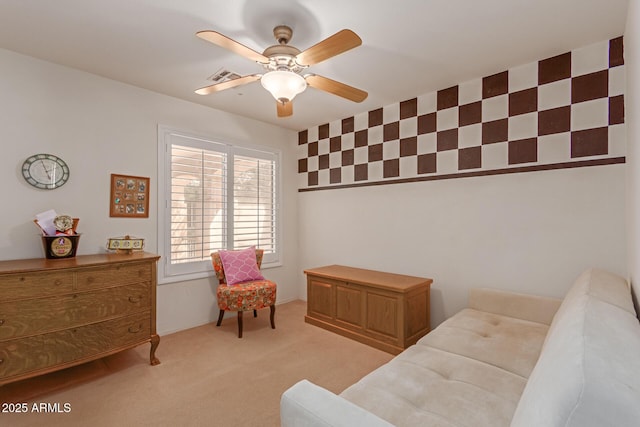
(521, 169)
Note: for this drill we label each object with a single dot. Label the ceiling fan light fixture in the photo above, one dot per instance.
(283, 85)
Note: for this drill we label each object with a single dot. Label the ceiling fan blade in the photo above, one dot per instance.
(338, 43)
(228, 84)
(232, 45)
(348, 92)
(285, 109)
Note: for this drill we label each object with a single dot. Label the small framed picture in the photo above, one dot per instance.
(129, 196)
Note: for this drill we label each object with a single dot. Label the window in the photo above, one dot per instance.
(213, 196)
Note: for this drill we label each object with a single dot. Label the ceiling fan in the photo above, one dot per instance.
(284, 65)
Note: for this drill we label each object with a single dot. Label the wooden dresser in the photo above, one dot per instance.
(387, 311)
(56, 313)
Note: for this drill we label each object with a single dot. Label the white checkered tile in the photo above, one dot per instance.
(590, 59)
(555, 148)
(408, 127)
(523, 77)
(447, 119)
(590, 114)
(470, 136)
(360, 121)
(523, 126)
(427, 143)
(617, 140)
(616, 81)
(495, 108)
(391, 113)
(554, 95)
(447, 162)
(495, 156)
(335, 128)
(408, 166)
(427, 103)
(391, 150)
(470, 91)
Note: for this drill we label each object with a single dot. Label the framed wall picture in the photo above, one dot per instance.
(129, 196)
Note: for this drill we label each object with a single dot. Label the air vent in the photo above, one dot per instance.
(223, 75)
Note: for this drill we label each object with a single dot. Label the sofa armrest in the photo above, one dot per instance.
(520, 306)
(307, 405)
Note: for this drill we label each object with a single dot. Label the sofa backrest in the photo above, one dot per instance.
(588, 373)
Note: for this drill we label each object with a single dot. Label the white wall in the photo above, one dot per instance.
(99, 126)
(527, 232)
(632, 118)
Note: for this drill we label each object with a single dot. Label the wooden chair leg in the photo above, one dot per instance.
(255, 313)
(272, 316)
(240, 324)
(220, 316)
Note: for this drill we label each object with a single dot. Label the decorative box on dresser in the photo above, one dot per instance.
(385, 310)
(57, 313)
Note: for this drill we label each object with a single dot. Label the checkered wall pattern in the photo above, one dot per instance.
(557, 111)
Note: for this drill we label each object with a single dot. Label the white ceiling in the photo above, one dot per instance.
(410, 47)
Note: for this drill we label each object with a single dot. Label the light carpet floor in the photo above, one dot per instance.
(207, 376)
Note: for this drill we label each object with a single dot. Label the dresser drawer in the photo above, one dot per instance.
(40, 352)
(27, 317)
(30, 285)
(114, 275)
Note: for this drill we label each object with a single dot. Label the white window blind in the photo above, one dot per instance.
(216, 196)
(254, 207)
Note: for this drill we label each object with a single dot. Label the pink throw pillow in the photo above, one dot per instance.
(240, 266)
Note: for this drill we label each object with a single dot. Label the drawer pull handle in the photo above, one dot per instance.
(57, 282)
(135, 331)
(1, 322)
(1, 360)
(134, 299)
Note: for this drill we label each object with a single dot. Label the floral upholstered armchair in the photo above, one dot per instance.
(242, 287)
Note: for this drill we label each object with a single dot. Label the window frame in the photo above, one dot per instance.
(178, 272)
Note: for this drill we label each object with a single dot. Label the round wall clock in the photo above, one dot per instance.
(45, 171)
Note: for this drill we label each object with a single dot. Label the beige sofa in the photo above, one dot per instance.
(507, 359)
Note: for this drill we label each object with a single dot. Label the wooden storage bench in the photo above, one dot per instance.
(385, 310)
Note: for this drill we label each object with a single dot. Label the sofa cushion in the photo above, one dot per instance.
(427, 386)
(502, 341)
(588, 373)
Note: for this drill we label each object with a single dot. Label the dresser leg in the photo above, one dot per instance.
(155, 341)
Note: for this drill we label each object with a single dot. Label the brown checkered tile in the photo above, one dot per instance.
(409, 108)
(302, 137)
(426, 123)
(497, 84)
(554, 112)
(335, 144)
(590, 86)
(523, 151)
(470, 114)
(554, 69)
(408, 146)
(391, 131)
(589, 142)
(376, 117)
(362, 138)
(427, 163)
(323, 131)
(616, 110)
(555, 120)
(495, 131)
(469, 158)
(447, 98)
(447, 140)
(523, 101)
(347, 125)
(616, 57)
